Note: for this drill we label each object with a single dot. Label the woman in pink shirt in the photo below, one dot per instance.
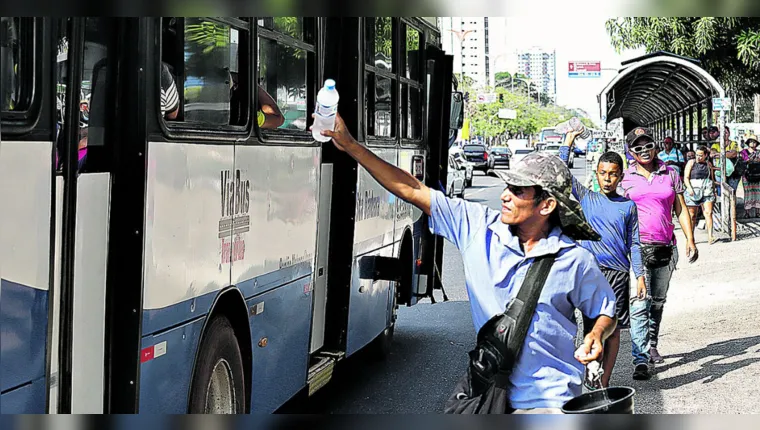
(657, 190)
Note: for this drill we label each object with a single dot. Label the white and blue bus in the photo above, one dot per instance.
(203, 260)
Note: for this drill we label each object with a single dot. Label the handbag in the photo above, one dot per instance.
(656, 256)
(752, 173)
(483, 388)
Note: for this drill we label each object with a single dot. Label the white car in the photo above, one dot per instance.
(462, 163)
(554, 150)
(519, 154)
(455, 179)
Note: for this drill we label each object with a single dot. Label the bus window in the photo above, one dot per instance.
(13, 65)
(206, 60)
(411, 85)
(380, 77)
(284, 46)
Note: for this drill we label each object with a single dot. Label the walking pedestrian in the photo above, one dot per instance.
(671, 156)
(700, 190)
(751, 157)
(537, 218)
(657, 191)
(616, 219)
(732, 156)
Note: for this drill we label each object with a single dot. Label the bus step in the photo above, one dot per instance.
(321, 372)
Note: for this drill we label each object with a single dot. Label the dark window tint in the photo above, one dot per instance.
(211, 59)
(15, 63)
(283, 75)
(413, 53)
(379, 37)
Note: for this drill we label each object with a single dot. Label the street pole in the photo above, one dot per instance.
(724, 197)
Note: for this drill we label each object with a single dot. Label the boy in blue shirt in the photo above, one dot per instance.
(616, 220)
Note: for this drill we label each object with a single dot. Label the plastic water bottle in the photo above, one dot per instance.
(325, 111)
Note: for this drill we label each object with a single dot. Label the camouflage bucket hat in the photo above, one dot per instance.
(552, 175)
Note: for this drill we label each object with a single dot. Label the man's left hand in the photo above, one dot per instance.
(591, 350)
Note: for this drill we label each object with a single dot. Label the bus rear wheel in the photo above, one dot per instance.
(218, 385)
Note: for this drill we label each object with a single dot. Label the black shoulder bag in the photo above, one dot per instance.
(483, 389)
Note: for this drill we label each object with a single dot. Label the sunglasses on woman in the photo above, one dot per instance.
(640, 149)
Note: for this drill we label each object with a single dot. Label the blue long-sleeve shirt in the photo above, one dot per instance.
(617, 221)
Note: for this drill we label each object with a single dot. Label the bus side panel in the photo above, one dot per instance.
(409, 216)
(275, 232)
(26, 196)
(280, 337)
(187, 221)
(374, 223)
(167, 368)
(375, 209)
(27, 399)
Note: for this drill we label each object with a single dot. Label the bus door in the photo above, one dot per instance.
(26, 190)
(82, 161)
(437, 107)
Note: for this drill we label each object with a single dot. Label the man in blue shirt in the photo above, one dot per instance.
(671, 156)
(537, 218)
(617, 221)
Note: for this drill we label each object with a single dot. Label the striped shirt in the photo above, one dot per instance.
(169, 96)
(674, 156)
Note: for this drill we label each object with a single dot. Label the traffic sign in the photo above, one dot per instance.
(487, 98)
(721, 104)
(507, 114)
(584, 69)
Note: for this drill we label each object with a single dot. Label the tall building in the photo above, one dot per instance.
(541, 67)
(471, 40)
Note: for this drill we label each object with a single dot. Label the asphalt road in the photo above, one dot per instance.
(709, 339)
(429, 352)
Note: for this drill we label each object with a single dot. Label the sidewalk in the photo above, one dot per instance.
(710, 335)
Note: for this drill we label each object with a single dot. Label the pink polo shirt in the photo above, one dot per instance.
(654, 199)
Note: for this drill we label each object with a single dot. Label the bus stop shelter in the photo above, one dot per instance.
(673, 96)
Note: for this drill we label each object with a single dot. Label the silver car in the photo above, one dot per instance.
(455, 180)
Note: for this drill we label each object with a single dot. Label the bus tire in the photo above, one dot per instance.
(221, 359)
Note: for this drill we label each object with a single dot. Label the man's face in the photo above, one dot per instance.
(690, 155)
(518, 207)
(668, 144)
(609, 176)
(714, 134)
(643, 151)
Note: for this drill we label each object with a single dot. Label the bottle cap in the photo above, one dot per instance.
(330, 84)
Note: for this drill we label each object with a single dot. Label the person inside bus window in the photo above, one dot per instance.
(169, 95)
(269, 115)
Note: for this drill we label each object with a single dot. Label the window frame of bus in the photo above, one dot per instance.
(183, 130)
(409, 83)
(311, 47)
(369, 82)
(25, 120)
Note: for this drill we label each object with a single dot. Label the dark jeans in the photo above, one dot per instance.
(646, 315)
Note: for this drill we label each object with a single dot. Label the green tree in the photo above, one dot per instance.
(728, 48)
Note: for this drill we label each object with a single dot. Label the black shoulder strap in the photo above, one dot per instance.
(524, 305)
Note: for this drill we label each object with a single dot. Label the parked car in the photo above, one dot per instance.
(466, 166)
(478, 156)
(455, 179)
(500, 156)
(519, 154)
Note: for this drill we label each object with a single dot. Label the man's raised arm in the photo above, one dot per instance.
(399, 182)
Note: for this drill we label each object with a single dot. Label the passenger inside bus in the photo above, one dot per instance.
(177, 54)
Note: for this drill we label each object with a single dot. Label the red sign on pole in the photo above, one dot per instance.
(584, 69)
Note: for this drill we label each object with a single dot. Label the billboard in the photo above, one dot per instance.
(584, 69)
